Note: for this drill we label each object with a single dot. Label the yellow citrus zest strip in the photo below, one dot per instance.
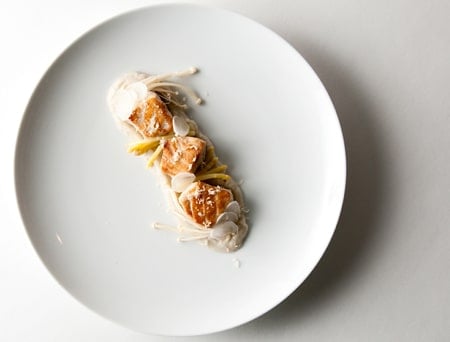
(213, 176)
(155, 155)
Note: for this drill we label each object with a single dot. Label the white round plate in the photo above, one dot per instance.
(88, 205)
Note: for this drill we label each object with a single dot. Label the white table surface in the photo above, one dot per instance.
(386, 274)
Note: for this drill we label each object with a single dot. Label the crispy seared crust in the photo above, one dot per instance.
(152, 118)
(182, 154)
(204, 202)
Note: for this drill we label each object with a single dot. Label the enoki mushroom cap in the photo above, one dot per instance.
(220, 231)
(181, 181)
(180, 126)
(127, 98)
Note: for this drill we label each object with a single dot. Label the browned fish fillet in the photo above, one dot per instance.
(152, 118)
(204, 202)
(182, 154)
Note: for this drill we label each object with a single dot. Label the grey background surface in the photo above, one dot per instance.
(385, 275)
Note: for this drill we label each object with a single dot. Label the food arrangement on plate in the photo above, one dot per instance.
(78, 196)
(151, 110)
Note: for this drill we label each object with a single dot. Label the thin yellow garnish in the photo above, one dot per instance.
(208, 166)
(209, 153)
(143, 146)
(146, 145)
(222, 176)
(218, 169)
(155, 155)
